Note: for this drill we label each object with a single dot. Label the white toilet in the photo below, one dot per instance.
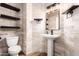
(13, 49)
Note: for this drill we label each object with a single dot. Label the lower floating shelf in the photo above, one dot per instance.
(10, 27)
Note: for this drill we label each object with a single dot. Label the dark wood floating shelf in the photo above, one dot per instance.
(70, 10)
(9, 17)
(9, 7)
(10, 27)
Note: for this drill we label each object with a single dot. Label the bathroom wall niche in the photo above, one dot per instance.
(53, 20)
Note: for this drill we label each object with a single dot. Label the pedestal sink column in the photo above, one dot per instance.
(50, 47)
(50, 38)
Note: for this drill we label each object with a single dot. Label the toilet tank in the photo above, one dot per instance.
(12, 41)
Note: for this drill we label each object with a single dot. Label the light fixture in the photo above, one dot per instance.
(52, 8)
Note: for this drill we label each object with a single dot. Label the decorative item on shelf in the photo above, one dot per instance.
(9, 7)
(69, 12)
(9, 17)
(38, 19)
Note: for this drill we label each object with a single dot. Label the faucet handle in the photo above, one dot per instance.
(0, 38)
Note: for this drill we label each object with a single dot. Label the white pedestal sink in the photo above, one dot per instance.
(50, 39)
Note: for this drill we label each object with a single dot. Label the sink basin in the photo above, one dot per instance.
(50, 39)
(50, 36)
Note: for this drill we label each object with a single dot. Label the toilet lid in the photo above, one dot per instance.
(16, 48)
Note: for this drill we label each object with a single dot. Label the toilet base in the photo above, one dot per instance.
(14, 50)
(14, 55)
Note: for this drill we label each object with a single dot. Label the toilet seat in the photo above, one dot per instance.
(14, 49)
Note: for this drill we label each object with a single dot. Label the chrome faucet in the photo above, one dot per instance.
(52, 32)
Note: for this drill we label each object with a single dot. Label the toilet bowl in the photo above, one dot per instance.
(13, 49)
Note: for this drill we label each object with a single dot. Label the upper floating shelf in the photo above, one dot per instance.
(9, 17)
(9, 7)
(70, 10)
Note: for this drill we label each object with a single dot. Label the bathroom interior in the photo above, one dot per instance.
(39, 29)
